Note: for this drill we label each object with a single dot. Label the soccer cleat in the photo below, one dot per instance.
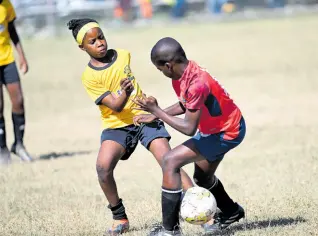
(159, 230)
(222, 221)
(19, 150)
(119, 227)
(5, 157)
(210, 222)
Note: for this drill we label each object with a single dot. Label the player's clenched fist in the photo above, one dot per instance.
(126, 85)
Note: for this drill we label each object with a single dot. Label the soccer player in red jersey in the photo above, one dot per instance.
(221, 127)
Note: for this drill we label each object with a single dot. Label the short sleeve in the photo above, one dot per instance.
(96, 90)
(11, 12)
(196, 96)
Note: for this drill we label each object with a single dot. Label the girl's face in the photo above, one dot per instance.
(94, 43)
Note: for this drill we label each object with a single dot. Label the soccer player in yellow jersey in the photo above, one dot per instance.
(9, 77)
(110, 83)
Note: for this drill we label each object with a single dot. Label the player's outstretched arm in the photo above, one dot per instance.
(174, 110)
(118, 104)
(187, 126)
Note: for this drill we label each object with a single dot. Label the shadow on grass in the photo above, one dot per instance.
(53, 155)
(245, 226)
(146, 226)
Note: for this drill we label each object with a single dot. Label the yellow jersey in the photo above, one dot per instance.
(7, 15)
(102, 81)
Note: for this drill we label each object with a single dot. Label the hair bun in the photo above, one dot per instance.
(72, 24)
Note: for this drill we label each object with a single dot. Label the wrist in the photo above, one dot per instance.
(126, 93)
(156, 112)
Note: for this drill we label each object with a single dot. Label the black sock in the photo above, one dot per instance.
(170, 201)
(224, 202)
(3, 142)
(118, 211)
(18, 126)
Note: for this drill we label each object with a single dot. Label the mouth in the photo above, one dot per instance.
(102, 50)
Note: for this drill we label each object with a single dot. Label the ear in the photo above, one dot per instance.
(81, 47)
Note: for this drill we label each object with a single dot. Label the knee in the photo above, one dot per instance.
(170, 163)
(104, 172)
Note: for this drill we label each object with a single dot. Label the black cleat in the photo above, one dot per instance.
(159, 230)
(5, 157)
(19, 150)
(222, 221)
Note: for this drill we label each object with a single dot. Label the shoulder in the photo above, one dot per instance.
(198, 87)
(88, 75)
(10, 12)
(7, 4)
(122, 52)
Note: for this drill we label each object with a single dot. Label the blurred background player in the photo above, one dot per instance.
(111, 84)
(124, 11)
(208, 108)
(221, 6)
(9, 77)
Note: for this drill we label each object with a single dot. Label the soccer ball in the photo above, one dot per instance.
(198, 206)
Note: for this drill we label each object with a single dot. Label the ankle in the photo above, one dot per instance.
(118, 211)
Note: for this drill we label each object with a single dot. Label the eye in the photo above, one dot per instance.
(101, 36)
(92, 41)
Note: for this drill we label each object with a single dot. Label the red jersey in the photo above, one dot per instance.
(197, 89)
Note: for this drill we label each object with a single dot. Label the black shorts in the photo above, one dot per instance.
(129, 136)
(9, 74)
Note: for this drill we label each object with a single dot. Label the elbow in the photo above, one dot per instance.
(13, 35)
(113, 107)
(118, 109)
(190, 132)
(15, 39)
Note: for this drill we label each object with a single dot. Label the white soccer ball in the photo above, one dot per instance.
(198, 206)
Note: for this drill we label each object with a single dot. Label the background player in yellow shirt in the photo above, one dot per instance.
(9, 77)
(111, 84)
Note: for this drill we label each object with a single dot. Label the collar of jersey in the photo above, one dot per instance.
(108, 65)
(186, 71)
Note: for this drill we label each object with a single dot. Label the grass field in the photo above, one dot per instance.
(270, 69)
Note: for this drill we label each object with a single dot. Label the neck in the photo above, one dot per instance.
(100, 62)
(179, 70)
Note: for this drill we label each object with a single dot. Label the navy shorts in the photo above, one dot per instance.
(129, 136)
(9, 74)
(214, 147)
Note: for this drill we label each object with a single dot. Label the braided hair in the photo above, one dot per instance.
(76, 24)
